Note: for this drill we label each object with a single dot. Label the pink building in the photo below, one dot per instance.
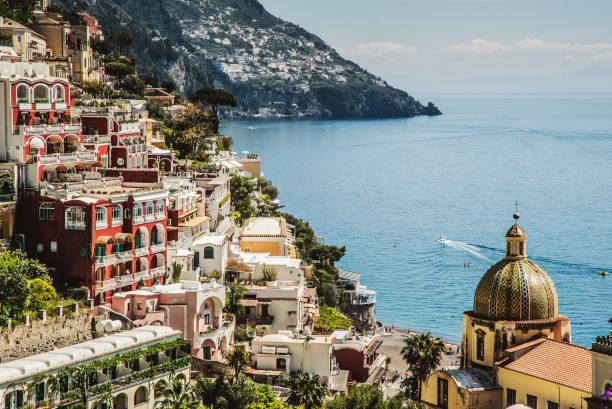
(194, 308)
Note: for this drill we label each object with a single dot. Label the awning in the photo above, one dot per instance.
(124, 237)
(106, 240)
(249, 302)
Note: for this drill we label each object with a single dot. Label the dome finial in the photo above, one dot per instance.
(516, 216)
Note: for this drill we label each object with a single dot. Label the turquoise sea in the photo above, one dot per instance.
(388, 189)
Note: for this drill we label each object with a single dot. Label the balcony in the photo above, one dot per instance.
(265, 320)
(43, 105)
(96, 139)
(86, 156)
(54, 128)
(55, 158)
(142, 251)
(160, 217)
(158, 271)
(124, 255)
(24, 106)
(105, 261)
(102, 224)
(141, 275)
(158, 248)
(60, 105)
(138, 220)
(106, 285)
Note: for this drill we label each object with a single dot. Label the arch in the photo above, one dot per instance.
(71, 143)
(165, 165)
(181, 377)
(58, 93)
(46, 211)
(209, 351)
(142, 264)
(159, 388)
(160, 234)
(75, 218)
(158, 261)
(141, 395)
(54, 144)
(36, 143)
(101, 217)
(41, 92)
(149, 209)
(209, 252)
(141, 239)
(159, 208)
(120, 401)
(117, 212)
(23, 93)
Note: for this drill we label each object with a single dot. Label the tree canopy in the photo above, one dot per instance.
(423, 354)
(121, 39)
(214, 98)
(365, 397)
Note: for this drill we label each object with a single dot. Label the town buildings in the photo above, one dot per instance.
(130, 380)
(515, 345)
(193, 308)
(360, 356)
(267, 235)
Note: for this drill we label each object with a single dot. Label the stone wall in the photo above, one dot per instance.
(45, 334)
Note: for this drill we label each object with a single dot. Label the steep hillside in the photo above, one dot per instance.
(272, 66)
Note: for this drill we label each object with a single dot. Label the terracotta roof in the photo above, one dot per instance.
(557, 362)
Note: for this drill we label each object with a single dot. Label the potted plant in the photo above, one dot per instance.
(270, 274)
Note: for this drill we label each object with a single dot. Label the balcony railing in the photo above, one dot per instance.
(157, 248)
(55, 158)
(124, 255)
(106, 285)
(106, 260)
(141, 275)
(160, 216)
(117, 222)
(138, 219)
(96, 139)
(48, 129)
(142, 251)
(158, 271)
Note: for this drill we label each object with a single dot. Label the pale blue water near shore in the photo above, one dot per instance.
(387, 189)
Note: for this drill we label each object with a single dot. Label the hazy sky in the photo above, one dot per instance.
(428, 46)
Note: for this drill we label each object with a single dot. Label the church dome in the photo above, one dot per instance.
(516, 288)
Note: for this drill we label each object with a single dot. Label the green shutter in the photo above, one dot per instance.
(137, 241)
(19, 398)
(153, 237)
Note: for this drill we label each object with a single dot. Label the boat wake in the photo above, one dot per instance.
(461, 246)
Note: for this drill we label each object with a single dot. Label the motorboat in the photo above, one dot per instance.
(603, 273)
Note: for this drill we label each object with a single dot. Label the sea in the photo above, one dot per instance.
(389, 189)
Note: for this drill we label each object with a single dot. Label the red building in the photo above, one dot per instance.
(359, 355)
(109, 238)
(120, 142)
(41, 130)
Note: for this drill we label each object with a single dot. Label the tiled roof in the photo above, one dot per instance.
(557, 362)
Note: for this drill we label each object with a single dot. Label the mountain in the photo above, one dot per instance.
(272, 67)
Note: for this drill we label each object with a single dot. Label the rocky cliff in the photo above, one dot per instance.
(274, 68)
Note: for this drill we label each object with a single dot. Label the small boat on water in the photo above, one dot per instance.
(603, 273)
(442, 239)
(467, 265)
(251, 128)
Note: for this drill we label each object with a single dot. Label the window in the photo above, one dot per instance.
(58, 94)
(196, 259)
(480, 345)
(22, 94)
(209, 252)
(117, 214)
(41, 94)
(149, 209)
(46, 211)
(13, 400)
(139, 306)
(141, 395)
(510, 397)
(53, 246)
(39, 248)
(159, 207)
(128, 214)
(207, 318)
(101, 218)
(40, 391)
(75, 218)
(532, 401)
(553, 405)
(138, 211)
(83, 252)
(443, 393)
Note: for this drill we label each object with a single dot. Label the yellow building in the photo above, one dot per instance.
(514, 334)
(267, 235)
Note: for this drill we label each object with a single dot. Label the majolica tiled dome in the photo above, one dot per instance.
(516, 288)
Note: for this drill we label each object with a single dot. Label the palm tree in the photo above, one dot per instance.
(177, 395)
(237, 359)
(211, 392)
(306, 390)
(423, 354)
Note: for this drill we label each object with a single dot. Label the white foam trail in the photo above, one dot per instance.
(459, 245)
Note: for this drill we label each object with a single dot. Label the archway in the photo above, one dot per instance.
(142, 265)
(71, 143)
(158, 234)
(41, 94)
(58, 93)
(37, 145)
(23, 94)
(54, 144)
(141, 239)
(158, 261)
(141, 395)
(120, 401)
(209, 351)
(159, 388)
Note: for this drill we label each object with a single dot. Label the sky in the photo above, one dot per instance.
(467, 46)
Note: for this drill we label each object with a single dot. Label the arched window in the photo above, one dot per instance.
(149, 209)
(159, 389)
(58, 94)
(23, 94)
(480, 345)
(75, 218)
(141, 395)
(117, 215)
(46, 211)
(209, 252)
(41, 94)
(101, 218)
(137, 210)
(159, 207)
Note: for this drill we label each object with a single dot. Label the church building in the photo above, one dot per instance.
(516, 347)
